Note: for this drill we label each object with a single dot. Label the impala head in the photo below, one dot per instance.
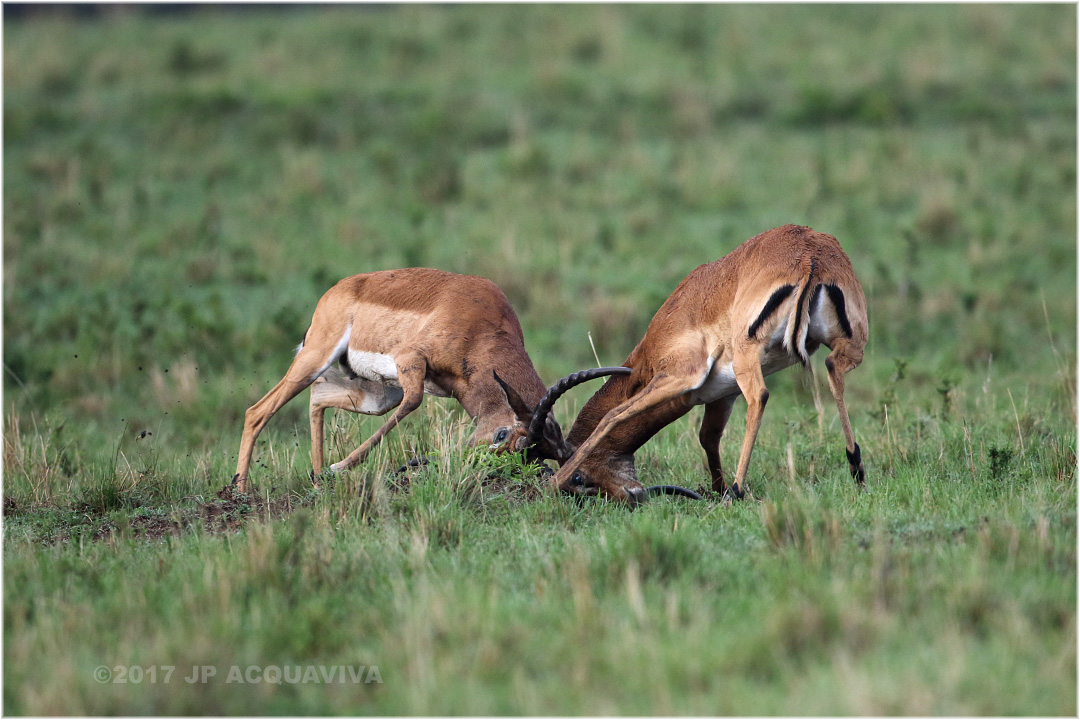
(535, 431)
(605, 471)
(604, 474)
(514, 435)
(612, 476)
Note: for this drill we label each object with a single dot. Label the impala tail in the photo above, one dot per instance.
(799, 321)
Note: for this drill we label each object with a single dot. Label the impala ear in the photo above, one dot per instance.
(520, 407)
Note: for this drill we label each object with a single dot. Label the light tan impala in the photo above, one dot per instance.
(765, 306)
(381, 340)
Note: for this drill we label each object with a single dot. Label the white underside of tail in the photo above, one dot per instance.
(796, 346)
(820, 324)
(823, 325)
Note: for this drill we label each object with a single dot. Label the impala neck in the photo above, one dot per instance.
(480, 393)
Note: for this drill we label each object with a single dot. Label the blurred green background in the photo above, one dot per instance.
(180, 190)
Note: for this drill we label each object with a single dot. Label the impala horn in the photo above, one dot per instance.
(672, 490)
(536, 425)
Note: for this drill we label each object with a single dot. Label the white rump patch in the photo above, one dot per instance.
(779, 336)
(334, 354)
(824, 326)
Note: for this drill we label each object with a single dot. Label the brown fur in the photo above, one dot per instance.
(444, 331)
(706, 320)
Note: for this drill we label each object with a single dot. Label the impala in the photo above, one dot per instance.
(765, 306)
(381, 340)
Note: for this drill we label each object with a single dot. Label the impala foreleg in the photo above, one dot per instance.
(713, 423)
(315, 420)
(368, 398)
(661, 389)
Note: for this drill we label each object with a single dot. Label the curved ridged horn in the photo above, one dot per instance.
(672, 490)
(536, 425)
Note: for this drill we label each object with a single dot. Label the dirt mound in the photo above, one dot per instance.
(232, 508)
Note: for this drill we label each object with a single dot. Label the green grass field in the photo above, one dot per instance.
(179, 190)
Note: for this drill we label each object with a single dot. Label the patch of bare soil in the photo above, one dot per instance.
(233, 508)
(155, 527)
(144, 527)
(230, 509)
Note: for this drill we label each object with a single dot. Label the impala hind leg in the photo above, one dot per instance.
(713, 423)
(411, 371)
(316, 410)
(845, 356)
(310, 362)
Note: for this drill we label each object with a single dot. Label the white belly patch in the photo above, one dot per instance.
(382, 369)
(720, 382)
(374, 366)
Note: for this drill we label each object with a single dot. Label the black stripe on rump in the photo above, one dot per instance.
(779, 295)
(801, 305)
(836, 296)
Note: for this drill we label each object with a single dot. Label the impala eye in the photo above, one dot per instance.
(501, 434)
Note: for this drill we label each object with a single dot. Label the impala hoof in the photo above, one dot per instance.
(230, 491)
(414, 463)
(636, 496)
(733, 493)
(322, 479)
